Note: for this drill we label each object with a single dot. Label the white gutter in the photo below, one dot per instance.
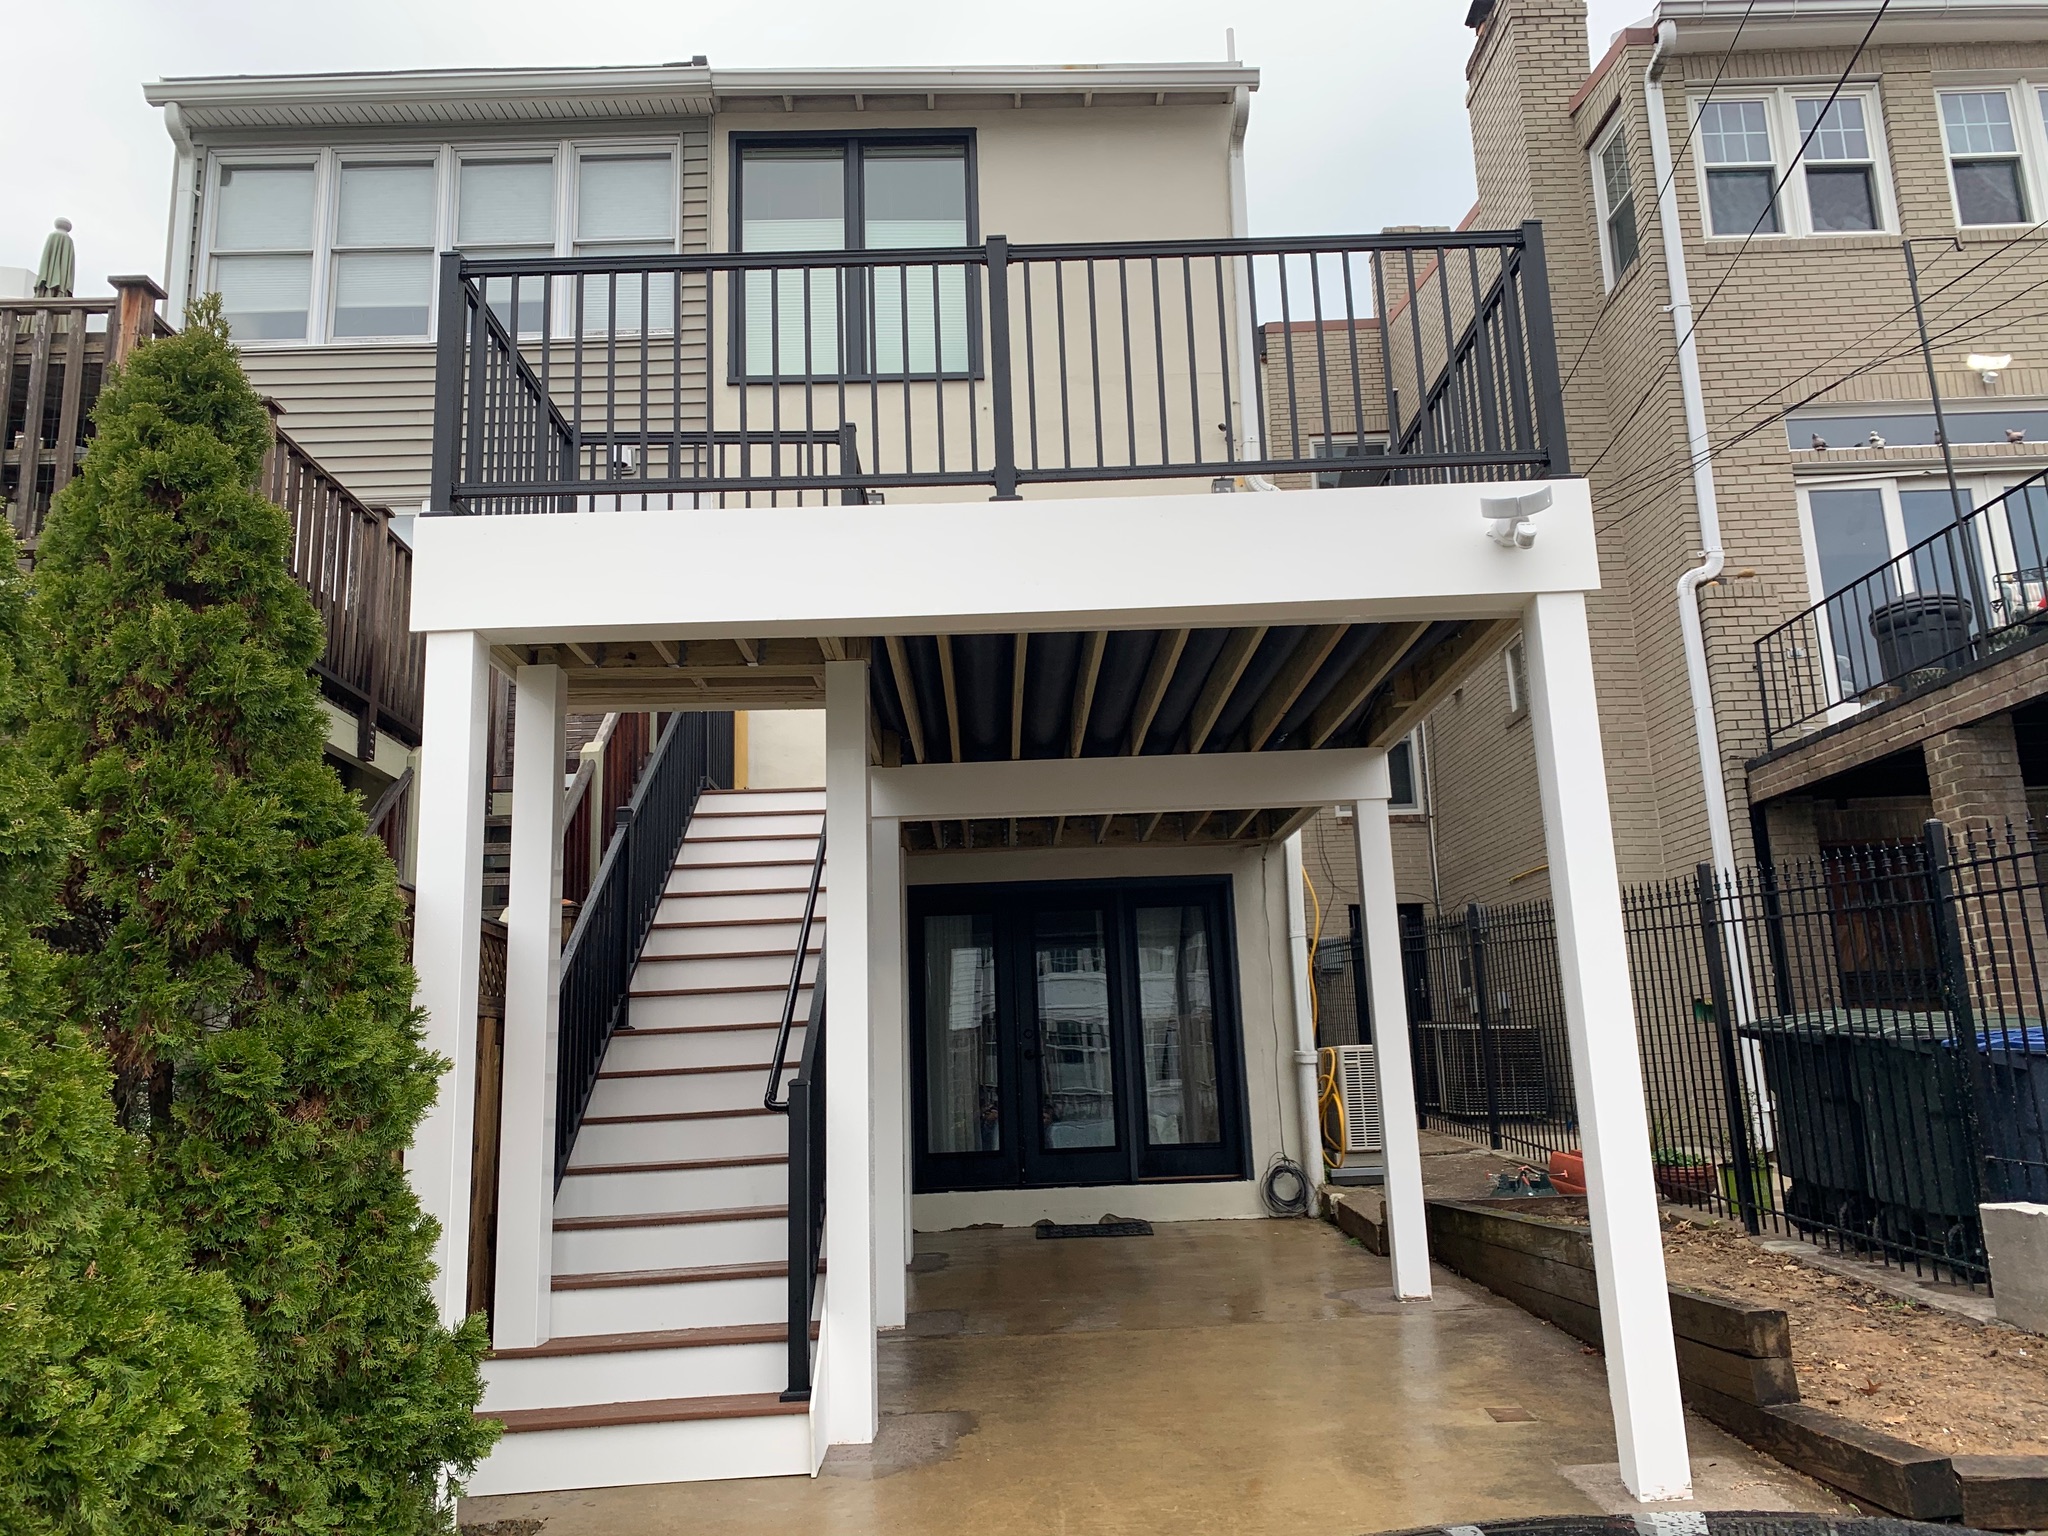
(1713, 783)
(1251, 431)
(1720, 835)
(1303, 978)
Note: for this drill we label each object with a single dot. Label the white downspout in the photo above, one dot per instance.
(1713, 783)
(1251, 431)
(1720, 836)
(184, 217)
(1303, 978)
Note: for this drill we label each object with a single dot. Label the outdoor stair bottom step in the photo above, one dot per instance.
(667, 1410)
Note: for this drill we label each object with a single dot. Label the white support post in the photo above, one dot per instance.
(533, 978)
(1628, 1251)
(849, 1377)
(1301, 983)
(447, 929)
(1407, 1224)
(888, 1019)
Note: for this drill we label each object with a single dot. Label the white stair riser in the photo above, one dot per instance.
(687, 1189)
(762, 800)
(701, 1450)
(715, 971)
(726, 939)
(714, 1008)
(707, 1048)
(726, 849)
(752, 822)
(689, 878)
(687, 1245)
(703, 905)
(633, 1376)
(701, 1304)
(668, 1140)
(697, 1092)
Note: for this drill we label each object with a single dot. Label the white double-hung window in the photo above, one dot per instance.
(626, 206)
(1614, 196)
(1791, 161)
(263, 249)
(1985, 166)
(505, 207)
(383, 264)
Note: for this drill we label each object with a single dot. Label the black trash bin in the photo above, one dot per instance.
(2013, 1087)
(1820, 1140)
(1923, 631)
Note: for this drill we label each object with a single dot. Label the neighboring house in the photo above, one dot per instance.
(903, 395)
(1847, 703)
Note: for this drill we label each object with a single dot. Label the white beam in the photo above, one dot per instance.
(889, 1019)
(533, 978)
(848, 1379)
(1628, 1251)
(447, 928)
(1381, 553)
(1407, 1222)
(1129, 786)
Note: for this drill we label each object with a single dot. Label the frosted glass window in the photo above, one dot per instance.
(384, 249)
(263, 237)
(625, 206)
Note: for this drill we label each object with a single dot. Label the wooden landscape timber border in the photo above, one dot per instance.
(1734, 1365)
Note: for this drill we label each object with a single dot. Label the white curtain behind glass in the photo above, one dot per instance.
(384, 292)
(507, 208)
(264, 209)
(625, 206)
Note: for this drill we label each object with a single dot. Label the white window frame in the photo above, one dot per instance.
(1416, 783)
(1781, 120)
(567, 155)
(1515, 661)
(1610, 274)
(2026, 96)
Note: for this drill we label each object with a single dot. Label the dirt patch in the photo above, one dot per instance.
(503, 1528)
(1924, 1375)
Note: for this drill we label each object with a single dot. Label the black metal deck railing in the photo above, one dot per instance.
(567, 384)
(1969, 591)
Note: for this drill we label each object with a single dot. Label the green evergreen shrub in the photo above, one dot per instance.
(122, 1373)
(234, 935)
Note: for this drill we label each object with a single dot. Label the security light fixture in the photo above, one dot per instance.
(1507, 517)
(1988, 365)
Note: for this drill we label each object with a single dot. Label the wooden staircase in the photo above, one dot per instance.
(668, 1348)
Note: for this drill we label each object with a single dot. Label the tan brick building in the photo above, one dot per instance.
(1822, 453)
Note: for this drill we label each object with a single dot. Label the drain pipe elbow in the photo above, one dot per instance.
(1713, 559)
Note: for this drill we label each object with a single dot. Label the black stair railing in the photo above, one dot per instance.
(806, 1110)
(796, 983)
(603, 948)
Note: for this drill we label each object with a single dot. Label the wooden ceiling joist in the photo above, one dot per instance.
(1084, 689)
(949, 690)
(1165, 657)
(1018, 662)
(1417, 691)
(1295, 675)
(1372, 668)
(906, 694)
(1223, 679)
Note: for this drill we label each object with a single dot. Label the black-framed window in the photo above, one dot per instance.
(1075, 1033)
(855, 192)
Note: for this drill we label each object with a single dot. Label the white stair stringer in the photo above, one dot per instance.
(668, 1346)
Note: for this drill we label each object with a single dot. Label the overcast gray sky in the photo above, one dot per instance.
(1359, 121)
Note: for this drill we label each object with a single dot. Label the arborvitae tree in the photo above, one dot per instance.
(235, 936)
(122, 1372)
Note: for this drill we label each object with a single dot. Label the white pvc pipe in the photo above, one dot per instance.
(1251, 431)
(1304, 1015)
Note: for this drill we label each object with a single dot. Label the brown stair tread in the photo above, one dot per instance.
(680, 1114)
(627, 1031)
(660, 1338)
(759, 837)
(684, 1165)
(787, 810)
(743, 922)
(773, 986)
(746, 1066)
(679, 865)
(730, 954)
(673, 1218)
(748, 890)
(666, 1410)
(699, 1275)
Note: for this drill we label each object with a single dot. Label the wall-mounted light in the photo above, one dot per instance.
(1507, 517)
(1988, 365)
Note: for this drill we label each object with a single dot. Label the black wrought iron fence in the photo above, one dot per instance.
(694, 753)
(1974, 588)
(677, 381)
(1849, 1049)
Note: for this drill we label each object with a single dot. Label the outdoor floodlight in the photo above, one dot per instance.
(1507, 517)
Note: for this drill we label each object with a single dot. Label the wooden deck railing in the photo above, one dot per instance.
(54, 355)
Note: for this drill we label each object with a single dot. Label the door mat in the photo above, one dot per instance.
(1109, 1226)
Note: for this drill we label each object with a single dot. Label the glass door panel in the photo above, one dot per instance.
(1177, 1027)
(1077, 1075)
(963, 1072)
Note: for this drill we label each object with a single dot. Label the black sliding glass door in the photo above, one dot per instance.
(1075, 1034)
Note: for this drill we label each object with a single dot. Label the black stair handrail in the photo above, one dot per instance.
(625, 895)
(796, 981)
(806, 1110)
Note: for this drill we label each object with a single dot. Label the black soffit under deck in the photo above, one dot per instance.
(1165, 682)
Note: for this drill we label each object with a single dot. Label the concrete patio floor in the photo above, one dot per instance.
(1219, 1377)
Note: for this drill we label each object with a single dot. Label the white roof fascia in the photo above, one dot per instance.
(1709, 25)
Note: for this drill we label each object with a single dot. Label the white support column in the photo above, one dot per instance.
(849, 1377)
(1301, 984)
(1407, 1225)
(533, 977)
(888, 1019)
(447, 928)
(1628, 1251)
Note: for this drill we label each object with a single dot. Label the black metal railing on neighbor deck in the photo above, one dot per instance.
(1848, 1049)
(1974, 588)
(676, 381)
(625, 895)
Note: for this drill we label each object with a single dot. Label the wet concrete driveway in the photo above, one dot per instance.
(1218, 1377)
